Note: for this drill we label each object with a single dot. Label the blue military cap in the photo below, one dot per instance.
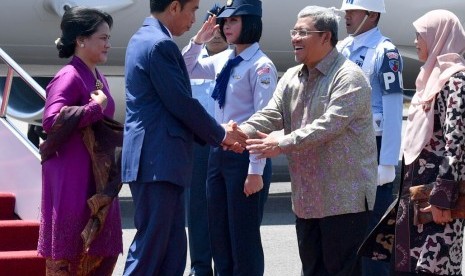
(241, 7)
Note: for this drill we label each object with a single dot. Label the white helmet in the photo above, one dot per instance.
(367, 5)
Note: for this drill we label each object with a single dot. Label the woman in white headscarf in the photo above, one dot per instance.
(429, 235)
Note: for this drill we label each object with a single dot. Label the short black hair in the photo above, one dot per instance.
(76, 22)
(160, 5)
(251, 31)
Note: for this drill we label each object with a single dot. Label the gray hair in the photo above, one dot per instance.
(325, 20)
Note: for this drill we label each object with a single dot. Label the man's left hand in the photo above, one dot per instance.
(266, 146)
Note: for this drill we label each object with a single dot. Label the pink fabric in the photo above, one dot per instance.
(445, 41)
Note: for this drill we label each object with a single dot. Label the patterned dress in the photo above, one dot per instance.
(430, 247)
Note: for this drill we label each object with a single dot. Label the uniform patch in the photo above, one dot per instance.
(390, 73)
(263, 70)
(392, 55)
(264, 80)
(394, 65)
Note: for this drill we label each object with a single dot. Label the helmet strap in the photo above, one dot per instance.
(360, 26)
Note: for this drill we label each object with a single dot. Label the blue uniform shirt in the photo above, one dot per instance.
(250, 86)
(383, 68)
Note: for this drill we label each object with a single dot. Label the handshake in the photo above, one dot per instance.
(236, 140)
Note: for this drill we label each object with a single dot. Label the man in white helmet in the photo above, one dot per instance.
(382, 64)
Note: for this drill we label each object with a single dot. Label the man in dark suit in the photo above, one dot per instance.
(162, 121)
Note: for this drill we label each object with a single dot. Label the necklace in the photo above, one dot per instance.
(98, 84)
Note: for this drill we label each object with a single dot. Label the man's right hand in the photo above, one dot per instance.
(235, 138)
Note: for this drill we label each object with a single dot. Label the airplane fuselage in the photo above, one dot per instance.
(36, 27)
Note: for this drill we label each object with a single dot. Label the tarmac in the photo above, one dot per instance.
(278, 232)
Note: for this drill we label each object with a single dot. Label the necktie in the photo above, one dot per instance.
(219, 92)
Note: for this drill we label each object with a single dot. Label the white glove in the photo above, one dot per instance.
(386, 174)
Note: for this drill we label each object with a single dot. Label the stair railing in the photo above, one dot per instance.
(12, 69)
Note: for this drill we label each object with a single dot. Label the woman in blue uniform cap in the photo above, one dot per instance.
(237, 184)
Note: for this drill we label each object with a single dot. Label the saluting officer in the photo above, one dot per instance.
(237, 185)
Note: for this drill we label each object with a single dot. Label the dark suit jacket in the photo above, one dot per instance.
(162, 118)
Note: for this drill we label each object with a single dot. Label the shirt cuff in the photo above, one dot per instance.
(195, 45)
(256, 165)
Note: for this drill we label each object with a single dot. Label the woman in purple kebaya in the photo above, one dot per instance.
(77, 97)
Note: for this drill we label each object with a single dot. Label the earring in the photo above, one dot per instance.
(81, 45)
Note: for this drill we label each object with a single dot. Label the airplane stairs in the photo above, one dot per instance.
(20, 177)
(20, 192)
(18, 242)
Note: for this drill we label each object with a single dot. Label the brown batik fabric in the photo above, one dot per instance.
(103, 140)
(86, 266)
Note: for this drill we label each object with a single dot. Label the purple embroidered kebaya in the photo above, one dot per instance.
(67, 176)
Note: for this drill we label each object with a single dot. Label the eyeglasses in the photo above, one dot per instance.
(303, 33)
